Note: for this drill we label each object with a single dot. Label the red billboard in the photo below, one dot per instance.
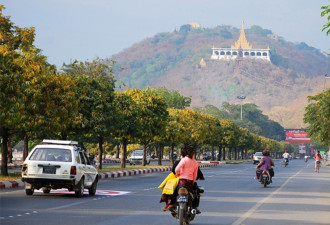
(296, 136)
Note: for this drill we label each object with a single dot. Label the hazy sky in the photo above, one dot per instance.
(86, 29)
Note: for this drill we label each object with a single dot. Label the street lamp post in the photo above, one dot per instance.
(241, 97)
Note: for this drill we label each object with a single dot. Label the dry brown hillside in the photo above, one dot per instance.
(280, 88)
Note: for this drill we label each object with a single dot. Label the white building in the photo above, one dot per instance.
(241, 49)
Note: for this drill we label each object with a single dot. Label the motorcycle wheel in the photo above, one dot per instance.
(265, 184)
(181, 214)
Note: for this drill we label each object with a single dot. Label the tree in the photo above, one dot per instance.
(95, 92)
(152, 116)
(326, 11)
(174, 130)
(126, 126)
(27, 82)
(173, 99)
(230, 135)
(317, 115)
(254, 120)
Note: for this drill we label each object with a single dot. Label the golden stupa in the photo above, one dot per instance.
(202, 63)
(242, 42)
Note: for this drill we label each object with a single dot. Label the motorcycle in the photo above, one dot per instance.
(318, 165)
(286, 162)
(184, 212)
(265, 178)
(306, 159)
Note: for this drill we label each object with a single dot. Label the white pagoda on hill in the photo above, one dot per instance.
(240, 50)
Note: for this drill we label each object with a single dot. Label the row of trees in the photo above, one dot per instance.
(37, 101)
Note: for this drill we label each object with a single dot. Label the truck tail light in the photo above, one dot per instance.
(73, 170)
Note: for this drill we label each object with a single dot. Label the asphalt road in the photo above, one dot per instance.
(298, 195)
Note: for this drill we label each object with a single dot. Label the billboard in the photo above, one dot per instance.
(296, 136)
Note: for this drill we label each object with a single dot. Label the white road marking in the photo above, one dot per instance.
(262, 201)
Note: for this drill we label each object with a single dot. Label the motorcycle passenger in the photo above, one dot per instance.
(187, 169)
(286, 156)
(171, 199)
(318, 159)
(265, 164)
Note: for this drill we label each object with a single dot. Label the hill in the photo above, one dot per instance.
(180, 60)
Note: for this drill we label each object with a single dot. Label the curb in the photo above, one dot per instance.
(125, 173)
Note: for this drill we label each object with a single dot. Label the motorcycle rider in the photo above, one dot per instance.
(186, 171)
(318, 159)
(265, 164)
(306, 158)
(286, 156)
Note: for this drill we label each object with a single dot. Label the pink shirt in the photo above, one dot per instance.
(187, 169)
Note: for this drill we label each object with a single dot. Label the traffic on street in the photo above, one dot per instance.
(298, 195)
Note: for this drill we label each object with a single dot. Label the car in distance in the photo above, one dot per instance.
(56, 164)
(137, 156)
(257, 157)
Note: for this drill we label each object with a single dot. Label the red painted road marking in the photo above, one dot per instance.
(98, 192)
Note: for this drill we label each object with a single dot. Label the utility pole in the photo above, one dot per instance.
(241, 97)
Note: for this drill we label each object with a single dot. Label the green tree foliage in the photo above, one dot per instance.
(214, 111)
(152, 116)
(126, 125)
(185, 28)
(95, 91)
(226, 34)
(326, 12)
(278, 60)
(173, 98)
(254, 120)
(33, 97)
(317, 115)
(146, 71)
(258, 30)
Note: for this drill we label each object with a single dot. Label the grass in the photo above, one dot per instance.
(12, 176)
(17, 176)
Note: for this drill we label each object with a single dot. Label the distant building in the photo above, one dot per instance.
(240, 50)
(195, 25)
(202, 63)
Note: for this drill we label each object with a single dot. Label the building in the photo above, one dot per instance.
(240, 50)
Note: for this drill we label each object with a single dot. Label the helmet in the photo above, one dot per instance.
(286, 151)
(265, 152)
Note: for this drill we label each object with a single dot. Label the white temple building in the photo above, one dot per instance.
(241, 49)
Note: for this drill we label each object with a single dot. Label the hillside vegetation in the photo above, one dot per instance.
(173, 60)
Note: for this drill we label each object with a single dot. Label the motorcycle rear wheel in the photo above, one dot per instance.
(181, 214)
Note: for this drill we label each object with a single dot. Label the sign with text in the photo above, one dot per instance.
(296, 136)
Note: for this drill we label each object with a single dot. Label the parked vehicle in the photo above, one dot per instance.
(184, 212)
(57, 164)
(207, 156)
(137, 156)
(257, 157)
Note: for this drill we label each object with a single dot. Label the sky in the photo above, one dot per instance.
(68, 30)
